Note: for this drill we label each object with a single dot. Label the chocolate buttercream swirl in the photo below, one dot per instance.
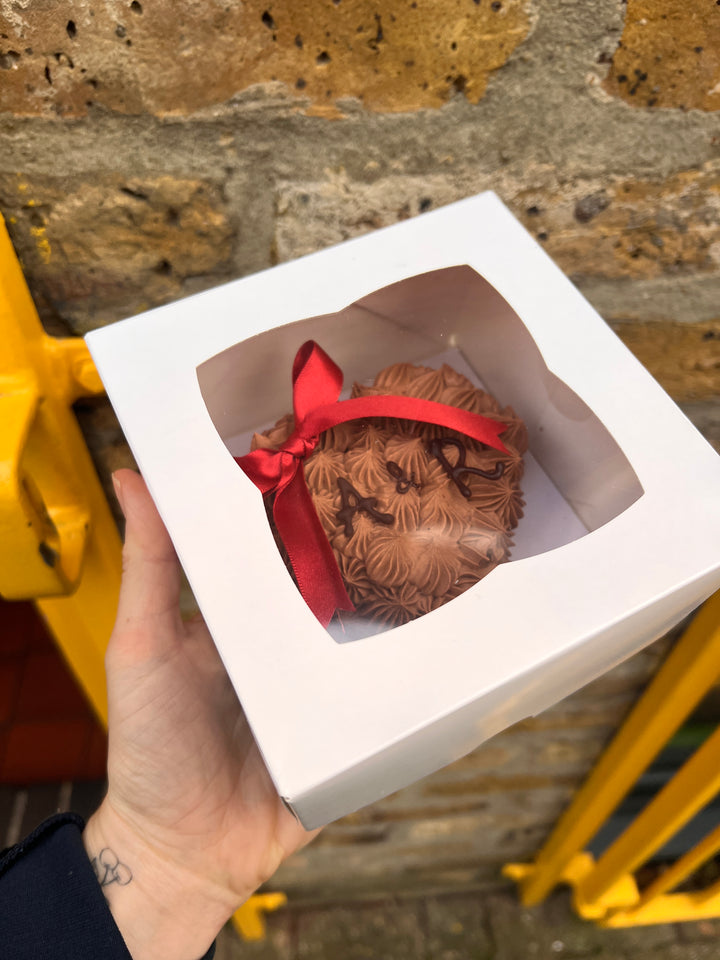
(453, 378)
(371, 435)
(390, 558)
(513, 503)
(428, 385)
(434, 542)
(396, 379)
(409, 453)
(405, 507)
(261, 442)
(364, 531)
(340, 438)
(361, 390)
(278, 434)
(327, 504)
(396, 606)
(465, 399)
(467, 580)
(437, 563)
(322, 469)
(443, 513)
(358, 583)
(367, 466)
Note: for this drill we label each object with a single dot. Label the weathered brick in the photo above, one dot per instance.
(328, 874)
(609, 228)
(314, 215)
(580, 712)
(102, 249)
(446, 829)
(634, 228)
(349, 831)
(430, 849)
(176, 58)
(687, 298)
(494, 813)
(669, 56)
(535, 752)
(683, 357)
(338, 879)
(444, 795)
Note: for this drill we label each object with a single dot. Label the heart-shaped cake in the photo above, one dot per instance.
(415, 513)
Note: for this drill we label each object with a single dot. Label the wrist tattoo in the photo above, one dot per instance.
(108, 869)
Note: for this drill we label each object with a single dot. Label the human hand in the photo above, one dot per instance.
(191, 823)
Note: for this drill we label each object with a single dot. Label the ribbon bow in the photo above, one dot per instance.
(317, 382)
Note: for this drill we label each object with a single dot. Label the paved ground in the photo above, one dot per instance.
(463, 927)
(456, 926)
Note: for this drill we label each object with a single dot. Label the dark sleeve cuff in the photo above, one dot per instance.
(51, 904)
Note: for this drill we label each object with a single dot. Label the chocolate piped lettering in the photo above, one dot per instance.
(403, 483)
(366, 504)
(459, 468)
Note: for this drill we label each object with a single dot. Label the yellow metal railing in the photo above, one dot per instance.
(606, 890)
(59, 543)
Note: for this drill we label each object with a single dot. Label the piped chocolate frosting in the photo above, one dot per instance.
(415, 513)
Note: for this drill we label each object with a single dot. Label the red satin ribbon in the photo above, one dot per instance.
(317, 383)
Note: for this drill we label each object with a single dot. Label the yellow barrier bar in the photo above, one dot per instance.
(249, 919)
(60, 544)
(690, 789)
(82, 623)
(674, 908)
(690, 670)
(683, 868)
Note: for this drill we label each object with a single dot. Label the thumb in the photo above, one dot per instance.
(150, 590)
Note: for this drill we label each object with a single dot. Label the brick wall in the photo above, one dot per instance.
(151, 149)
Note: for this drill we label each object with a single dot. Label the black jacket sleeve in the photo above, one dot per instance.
(51, 904)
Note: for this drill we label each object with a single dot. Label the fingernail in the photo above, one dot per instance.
(118, 491)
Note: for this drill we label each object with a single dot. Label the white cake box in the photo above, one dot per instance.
(620, 538)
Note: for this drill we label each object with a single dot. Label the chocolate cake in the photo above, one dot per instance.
(415, 513)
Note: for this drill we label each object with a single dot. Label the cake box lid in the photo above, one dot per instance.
(340, 725)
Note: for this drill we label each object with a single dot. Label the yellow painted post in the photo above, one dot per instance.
(675, 908)
(60, 544)
(688, 673)
(249, 919)
(656, 906)
(683, 868)
(689, 790)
